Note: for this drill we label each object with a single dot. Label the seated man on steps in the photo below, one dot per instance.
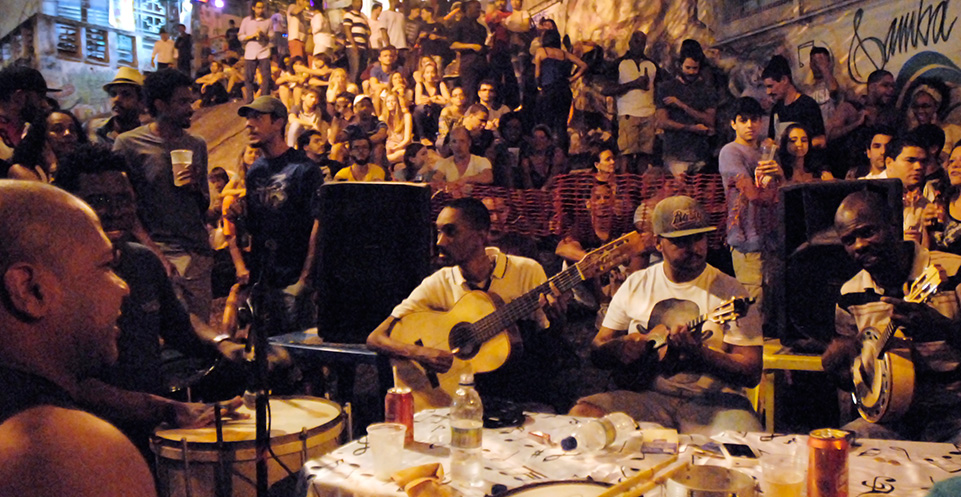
(698, 384)
(873, 298)
(463, 229)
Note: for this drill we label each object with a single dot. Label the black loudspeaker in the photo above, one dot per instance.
(811, 264)
(375, 247)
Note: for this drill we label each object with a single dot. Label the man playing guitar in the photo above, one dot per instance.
(463, 228)
(695, 383)
(874, 297)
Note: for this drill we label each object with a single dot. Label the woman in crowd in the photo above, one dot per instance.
(925, 106)
(399, 86)
(452, 115)
(430, 97)
(400, 128)
(418, 163)
(45, 145)
(336, 85)
(543, 161)
(798, 158)
(290, 83)
(555, 69)
(236, 189)
(308, 115)
(213, 85)
(950, 239)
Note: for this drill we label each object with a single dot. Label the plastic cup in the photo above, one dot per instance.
(181, 160)
(767, 151)
(386, 441)
(783, 475)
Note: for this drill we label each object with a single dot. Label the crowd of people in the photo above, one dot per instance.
(467, 102)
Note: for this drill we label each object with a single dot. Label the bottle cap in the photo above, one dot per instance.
(569, 443)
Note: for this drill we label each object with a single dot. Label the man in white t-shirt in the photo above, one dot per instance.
(691, 379)
(393, 27)
(634, 91)
(163, 54)
(462, 167)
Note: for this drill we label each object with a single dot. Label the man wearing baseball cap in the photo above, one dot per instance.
(22, 100)
(126, 103)
(691, 379)
(281, 207)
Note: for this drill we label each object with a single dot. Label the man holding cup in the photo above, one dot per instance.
(168, 170)
(750, 186)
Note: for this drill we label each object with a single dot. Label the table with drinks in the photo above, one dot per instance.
(530, 454)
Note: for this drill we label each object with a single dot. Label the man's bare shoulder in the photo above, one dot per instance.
(50, 450)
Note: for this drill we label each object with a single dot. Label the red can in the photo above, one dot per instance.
(828, 463)
(399, 408)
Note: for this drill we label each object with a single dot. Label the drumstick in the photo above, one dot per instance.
(647, 487)
(646, 474)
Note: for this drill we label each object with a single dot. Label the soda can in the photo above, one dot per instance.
(399, 408)
(828, 463)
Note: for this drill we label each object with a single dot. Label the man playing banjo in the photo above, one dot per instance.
(877, 296)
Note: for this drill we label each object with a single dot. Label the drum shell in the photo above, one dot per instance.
(318, 435)
(561, 488)
(710, 481)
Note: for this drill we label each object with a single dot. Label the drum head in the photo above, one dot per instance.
(565, 488)
(288, 417)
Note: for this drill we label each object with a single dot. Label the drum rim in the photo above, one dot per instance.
(537, 484)
(238, 445)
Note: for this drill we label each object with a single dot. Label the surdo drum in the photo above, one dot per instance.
(189, 463)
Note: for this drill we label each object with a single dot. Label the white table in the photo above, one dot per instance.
(514, 458)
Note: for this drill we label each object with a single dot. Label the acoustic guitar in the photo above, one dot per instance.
(478, 331)
(884, 391)
(672, 312)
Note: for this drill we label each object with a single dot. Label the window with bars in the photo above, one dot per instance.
(68, 40)
(95, 12)
(125, 50)
(96, 46)
(151, 15)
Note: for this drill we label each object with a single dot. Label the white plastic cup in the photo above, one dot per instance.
(181, 160)
(767, 151)
(783, 475)
(386, 442)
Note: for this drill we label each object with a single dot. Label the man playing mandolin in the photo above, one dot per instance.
(463, 229)
(906, 388)
(680, 336)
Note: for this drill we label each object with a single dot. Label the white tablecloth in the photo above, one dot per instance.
(513, 457)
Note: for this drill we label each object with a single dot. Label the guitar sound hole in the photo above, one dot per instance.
(461, 340)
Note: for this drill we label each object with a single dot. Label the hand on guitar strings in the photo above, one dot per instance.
(919, 321)
(555, 304)
(195, 414)
(684, 341)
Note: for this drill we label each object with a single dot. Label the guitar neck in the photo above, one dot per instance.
(525, 305)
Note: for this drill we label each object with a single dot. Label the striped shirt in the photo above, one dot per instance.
(359, 28)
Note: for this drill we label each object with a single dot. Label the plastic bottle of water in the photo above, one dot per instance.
(600, 433)
(466, 432)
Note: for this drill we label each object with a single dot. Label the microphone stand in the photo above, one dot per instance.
(263, 313)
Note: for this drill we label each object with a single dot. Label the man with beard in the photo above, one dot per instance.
(696, 380)
(172, 215)
(126, 103)
(129, 392)
(58, 322)
(686, 108)
(879, 108)
(22, 101)
(463, 228)
(790, 105)
(282, 213)
(360, 168)
(870, 234)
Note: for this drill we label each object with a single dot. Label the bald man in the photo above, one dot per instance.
(871, 234)
(59, 304)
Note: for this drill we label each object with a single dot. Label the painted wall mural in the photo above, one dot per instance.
(910, 38)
